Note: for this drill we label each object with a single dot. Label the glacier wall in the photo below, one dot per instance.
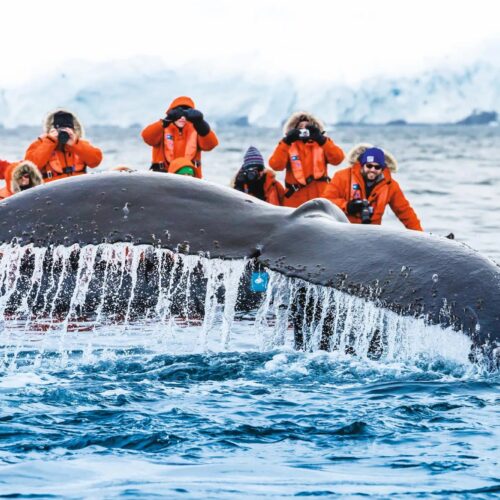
(138, 91)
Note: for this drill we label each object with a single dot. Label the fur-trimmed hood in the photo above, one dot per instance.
(300, 116)
(353, 156)
(16, 170)
(48, 123)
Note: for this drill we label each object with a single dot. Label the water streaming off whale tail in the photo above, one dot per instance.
(67, 299)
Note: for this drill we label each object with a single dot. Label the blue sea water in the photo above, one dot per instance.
(151, 412)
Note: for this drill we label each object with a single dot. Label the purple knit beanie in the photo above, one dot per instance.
(253, 158)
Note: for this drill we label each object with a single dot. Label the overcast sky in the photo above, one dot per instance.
(312, 40)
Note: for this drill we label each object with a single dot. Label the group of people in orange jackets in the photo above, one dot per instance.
(362, 190)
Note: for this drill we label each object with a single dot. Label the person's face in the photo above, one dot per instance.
(371, 171)
(181, 122)
(303, 124)
(25, 180)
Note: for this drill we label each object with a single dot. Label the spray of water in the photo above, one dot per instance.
(60, 291)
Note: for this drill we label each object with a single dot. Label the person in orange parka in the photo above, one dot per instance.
(3, 165)
(254, 179)
(20, 176)
(304, 152)
(61, 151)
(364, 189)
(182, 133)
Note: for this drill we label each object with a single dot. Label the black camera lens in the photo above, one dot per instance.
(63, 137)
(252, 175)
(366, 213)
(241, 177)
(247, 175)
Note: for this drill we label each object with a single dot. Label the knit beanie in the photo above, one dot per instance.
(372, 155)
(253, 158)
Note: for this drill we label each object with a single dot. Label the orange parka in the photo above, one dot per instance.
(3, 165)
(305, 163)
(13, 174)
(57, 163)
(273, 189)
(348, 184)
(174, 142)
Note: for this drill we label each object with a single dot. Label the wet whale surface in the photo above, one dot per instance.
(408, 272)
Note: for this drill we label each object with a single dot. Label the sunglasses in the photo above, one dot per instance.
(371, 165)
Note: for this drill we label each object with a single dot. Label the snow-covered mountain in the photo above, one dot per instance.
(138, 91)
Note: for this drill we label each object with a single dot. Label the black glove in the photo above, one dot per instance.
(316, 135)
(193, 115)
(173, 115)
(291, 136)
(196, 118)
(354, 206)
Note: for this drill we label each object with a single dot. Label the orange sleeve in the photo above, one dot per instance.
(89, 154)
(153, 133)
(3, 165)
(402, 208)
(206, 143)
(280, 191)
(275, 194)
(40, 151)
(334, 154)
(337, 191)
(279, 159)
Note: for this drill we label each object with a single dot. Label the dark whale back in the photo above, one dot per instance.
(409, 272)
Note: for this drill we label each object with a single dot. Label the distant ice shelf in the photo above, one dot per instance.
(137, 92)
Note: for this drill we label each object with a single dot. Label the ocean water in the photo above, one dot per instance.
(156, 410)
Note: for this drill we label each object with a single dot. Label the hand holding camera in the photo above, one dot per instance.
(355, 206)
(63, 135)
(248, 175)
(361, 207)
(316, 135)
(53, 133)
(292, 136)
(172, 116)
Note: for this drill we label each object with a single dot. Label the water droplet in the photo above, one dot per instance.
(125, 210)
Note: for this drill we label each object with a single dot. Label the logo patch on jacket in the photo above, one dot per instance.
(355, 187)
(295, 158)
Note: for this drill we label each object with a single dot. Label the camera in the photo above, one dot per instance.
(366, 213)
(62, 137)
(304, 133)
(248, 175)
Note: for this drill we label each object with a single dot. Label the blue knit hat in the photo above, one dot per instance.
(373, 155)
(253, 158)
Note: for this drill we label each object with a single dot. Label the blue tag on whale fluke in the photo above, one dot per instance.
(259, 281)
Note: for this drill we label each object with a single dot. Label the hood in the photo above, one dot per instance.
(15, 171)
(180, 162)
(354, 154)
(49, 123)
(181, 101)
(295, 119)
(183, 161)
